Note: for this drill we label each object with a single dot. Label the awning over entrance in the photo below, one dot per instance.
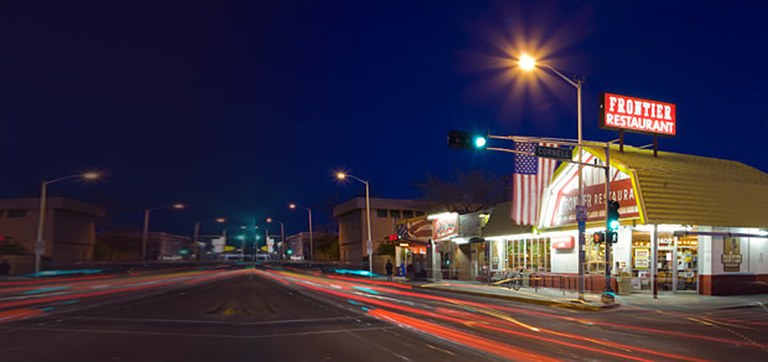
(500, 222)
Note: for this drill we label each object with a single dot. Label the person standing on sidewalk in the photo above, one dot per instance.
(389, 270)
(5, 268)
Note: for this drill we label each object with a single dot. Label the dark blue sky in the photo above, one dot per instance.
(239, 108)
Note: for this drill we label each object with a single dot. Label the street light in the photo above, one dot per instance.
(311, 242)
(282, 230)
(196, 232)
(343, 176)
(528, 63)
(40, 243)
(146, 226)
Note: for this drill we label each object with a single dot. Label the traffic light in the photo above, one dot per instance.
(466, 141)
(598, 237)
(613, 221)
(289, 251)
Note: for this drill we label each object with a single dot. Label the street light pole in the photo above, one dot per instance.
(196, 234)
(145, 234)
(369, 244)
(311, 241)
(40, 243)
(528, 63)
(282, 229)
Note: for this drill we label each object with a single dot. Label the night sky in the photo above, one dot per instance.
(239, 108)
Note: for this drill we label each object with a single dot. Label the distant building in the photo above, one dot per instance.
(353, 232)
(126, 246)
(69, 232)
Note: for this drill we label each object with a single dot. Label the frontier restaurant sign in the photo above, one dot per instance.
(637, 115)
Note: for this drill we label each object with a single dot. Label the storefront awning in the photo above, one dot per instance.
(501, 224)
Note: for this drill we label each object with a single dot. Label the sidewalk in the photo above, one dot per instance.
(569, 299)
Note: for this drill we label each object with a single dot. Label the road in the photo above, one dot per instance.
(239, 314)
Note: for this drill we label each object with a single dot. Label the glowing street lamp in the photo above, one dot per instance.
(343, 176)
(311, 242)
(145, 234)
(528, 63)
(40, 243)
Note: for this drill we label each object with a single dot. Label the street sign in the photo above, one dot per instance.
(581, 213)
(553, 152)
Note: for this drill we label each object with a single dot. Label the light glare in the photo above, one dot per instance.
(527, 62)
(91, 175)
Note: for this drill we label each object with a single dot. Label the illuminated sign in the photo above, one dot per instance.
(594, 199)
(637, 115)
(445, 225)
(565, 242)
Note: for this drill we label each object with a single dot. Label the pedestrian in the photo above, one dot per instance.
(5, 268)
(389, 270)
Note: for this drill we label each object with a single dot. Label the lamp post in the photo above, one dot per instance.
(311, 242)
(528, 63)
(282, 229)
(369, 246)
(196, 232)
(40, 243)
(145, 234)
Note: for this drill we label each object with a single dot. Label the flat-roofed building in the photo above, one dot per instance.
(69, 232)
(353, 232)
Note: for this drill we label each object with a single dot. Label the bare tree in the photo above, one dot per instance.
(465, 193)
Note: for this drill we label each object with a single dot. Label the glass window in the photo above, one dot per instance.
(407, 214)
(394, 214)
(17, 213)
(419, 213)
(381, 213)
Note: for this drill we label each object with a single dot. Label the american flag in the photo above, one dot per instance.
(531, 177)
(415, 229)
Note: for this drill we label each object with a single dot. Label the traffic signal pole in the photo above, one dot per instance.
(608, 294)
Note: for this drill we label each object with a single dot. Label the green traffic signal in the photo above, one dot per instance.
(613, 221)
(480, 142)
(466, 141)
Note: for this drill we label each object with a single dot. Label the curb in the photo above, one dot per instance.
(575, 304)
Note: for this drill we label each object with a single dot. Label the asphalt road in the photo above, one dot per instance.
(241, 318)
(285, 315)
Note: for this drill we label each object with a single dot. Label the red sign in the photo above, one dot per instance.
(637, 115)
(565, 242)
(445, 226)
(594, 200)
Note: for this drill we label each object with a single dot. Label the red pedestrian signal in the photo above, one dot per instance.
(598, 238)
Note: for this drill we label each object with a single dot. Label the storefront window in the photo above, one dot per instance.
(529, 254)
(676, 261)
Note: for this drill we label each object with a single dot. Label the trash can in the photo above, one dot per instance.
(625, 283)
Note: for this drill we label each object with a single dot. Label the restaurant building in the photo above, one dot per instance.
(688, 224)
